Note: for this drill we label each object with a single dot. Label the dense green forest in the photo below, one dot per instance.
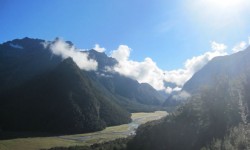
(69, 105)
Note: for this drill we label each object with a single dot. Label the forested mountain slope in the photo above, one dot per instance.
(219, 102)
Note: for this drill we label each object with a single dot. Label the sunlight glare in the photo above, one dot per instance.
(219, 13)
(224, 5)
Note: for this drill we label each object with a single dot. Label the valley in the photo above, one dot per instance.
(53, 103)
(125, 75)
(108, 134)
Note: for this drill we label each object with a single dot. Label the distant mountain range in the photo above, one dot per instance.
(41, 92)
(215, 116)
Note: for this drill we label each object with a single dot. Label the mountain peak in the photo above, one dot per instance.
(102, 59)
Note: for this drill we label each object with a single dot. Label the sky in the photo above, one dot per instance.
(155, 41)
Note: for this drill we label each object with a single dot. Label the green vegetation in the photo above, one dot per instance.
(36, 143)
(63, 101)
(207, 116)
(237, 139)
(212, 117)
(118, 144)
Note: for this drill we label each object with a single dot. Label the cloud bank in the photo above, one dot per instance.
(63, 49)
(147, 71)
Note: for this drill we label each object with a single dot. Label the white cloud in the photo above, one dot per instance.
(63, 49)
(183, 95)
(218, 46)
(98, 48)
(170, 90)
(192, 65)
(240, 46)
(122, 53)
(147, 71)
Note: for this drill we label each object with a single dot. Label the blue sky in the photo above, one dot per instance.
(166, 31)
(169, 32)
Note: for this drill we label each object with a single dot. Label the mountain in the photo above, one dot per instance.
(228, 67)
(62, 101)
(41, 92)
(213, 115)
(142, 93)
(102, 59)
(22, 59)
(130, 93)
(133, 96)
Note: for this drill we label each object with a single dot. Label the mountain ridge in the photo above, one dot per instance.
(69, 94)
